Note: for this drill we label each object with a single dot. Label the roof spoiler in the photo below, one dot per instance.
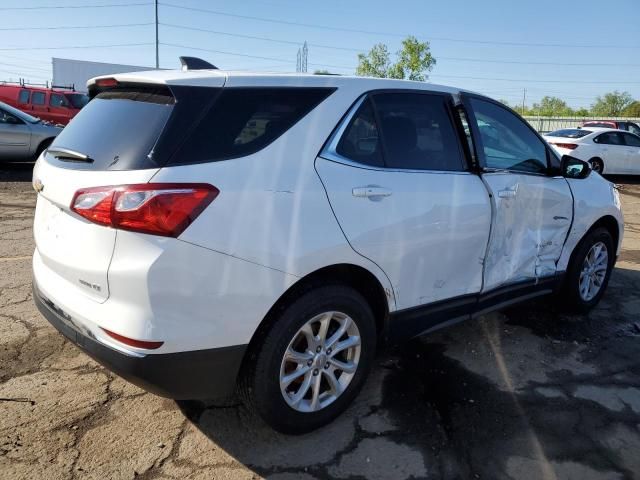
(195, 63)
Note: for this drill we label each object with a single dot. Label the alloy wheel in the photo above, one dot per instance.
(594, 271)
(320, 361)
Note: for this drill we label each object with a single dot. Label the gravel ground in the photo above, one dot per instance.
(525, 393)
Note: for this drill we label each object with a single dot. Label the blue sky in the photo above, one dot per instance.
(572, 49)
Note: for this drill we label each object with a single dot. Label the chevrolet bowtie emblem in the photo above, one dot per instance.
(38, 186)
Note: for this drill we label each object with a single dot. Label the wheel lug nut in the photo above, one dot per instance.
(318, 349)
(329, 351)
(309, 362)
(315, 372)
(326, 365)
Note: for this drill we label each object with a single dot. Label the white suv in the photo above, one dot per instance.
(202, 231)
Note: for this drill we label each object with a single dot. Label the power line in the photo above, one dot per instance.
(74, 27)
(390, 34)
(56, 7)
(25, 67)
(64, 47)
(528, 80)
(284, 60)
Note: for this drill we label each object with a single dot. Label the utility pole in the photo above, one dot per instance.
(157, 51)
(524, 96)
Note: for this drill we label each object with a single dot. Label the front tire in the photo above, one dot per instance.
(313, 360)
(589, 271)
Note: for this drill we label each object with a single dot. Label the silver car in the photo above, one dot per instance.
(23, 137)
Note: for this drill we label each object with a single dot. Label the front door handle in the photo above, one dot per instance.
(371, 191)
(508, 192)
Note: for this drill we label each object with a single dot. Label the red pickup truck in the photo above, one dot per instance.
(54, 105)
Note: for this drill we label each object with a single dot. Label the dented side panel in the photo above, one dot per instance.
(531, 217)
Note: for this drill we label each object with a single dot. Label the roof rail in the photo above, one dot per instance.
(195, 63)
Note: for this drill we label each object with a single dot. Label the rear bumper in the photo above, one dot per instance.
(191, 375)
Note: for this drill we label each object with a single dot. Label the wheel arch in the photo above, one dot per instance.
(609, 223)
(42, 145)
(355, 276)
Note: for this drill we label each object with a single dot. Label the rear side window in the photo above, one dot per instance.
(631, 140)
(57, 100)
(118, 128)
(609, 138)
(633, 128)
(417, 132)
(23, 97)
(243, 121)
(37, 98)
(360, 141)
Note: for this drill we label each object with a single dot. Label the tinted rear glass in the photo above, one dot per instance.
(118, 128)
(243, 121)
(569, 133)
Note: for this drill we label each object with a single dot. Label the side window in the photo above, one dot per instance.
(609, 138)
(508, 143)
(633, 128)
(359, 141)
(417, 132)
(631, 140)
(57, 100)
(37, 98)
(23, 97)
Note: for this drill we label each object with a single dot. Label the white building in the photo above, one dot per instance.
(68, 72)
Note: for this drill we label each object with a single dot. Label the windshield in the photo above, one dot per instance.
(569, 133)
(78, 100)
(19, 113)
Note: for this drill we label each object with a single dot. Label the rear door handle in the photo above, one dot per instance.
(508, 192)
(371, 191)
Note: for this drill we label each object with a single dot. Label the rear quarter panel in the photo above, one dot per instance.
(272, 208)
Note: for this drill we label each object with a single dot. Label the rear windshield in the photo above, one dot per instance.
(144, 127)
(118, 128)
(569, 133)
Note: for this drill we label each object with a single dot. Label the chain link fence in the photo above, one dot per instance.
(549, 124)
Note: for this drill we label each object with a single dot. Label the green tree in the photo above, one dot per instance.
(611, 104)
(632, 110)
(414, 61)
(550, 106)
(581, 112)
(323, 72)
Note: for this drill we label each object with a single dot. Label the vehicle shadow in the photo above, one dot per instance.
(503, 396)
(624, 179)
(16, 171)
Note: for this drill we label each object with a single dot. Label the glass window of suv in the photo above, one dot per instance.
(631, 140)
(58, 100)
(243, 121)
(37, 98)
(609, 138)
(417, 132)
(360, 141)
(23, 96)
(507, 141)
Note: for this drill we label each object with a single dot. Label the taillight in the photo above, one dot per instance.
(106, 82)
(133, 343)
(165, 209)
(570, 146)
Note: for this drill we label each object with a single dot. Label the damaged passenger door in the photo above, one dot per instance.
(532, 209)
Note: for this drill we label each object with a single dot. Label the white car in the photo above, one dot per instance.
(199, 231)
(608, 150)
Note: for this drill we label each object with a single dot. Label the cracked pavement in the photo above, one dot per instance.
(525, 393)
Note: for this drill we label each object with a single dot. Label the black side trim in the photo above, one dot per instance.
(193, 375)
(415, 321)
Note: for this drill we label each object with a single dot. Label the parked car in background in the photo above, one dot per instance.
(22, 136)
(608, 150)
(327, 215)
(57, 106)
(619, 125)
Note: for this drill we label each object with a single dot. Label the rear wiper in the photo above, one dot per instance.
(68, 155)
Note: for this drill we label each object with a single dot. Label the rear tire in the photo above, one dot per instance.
(294, 346)
(589, 271)
(597, 165)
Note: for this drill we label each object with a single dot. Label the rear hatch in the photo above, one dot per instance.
(114, 140)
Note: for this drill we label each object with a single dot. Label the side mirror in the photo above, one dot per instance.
(571, 167)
